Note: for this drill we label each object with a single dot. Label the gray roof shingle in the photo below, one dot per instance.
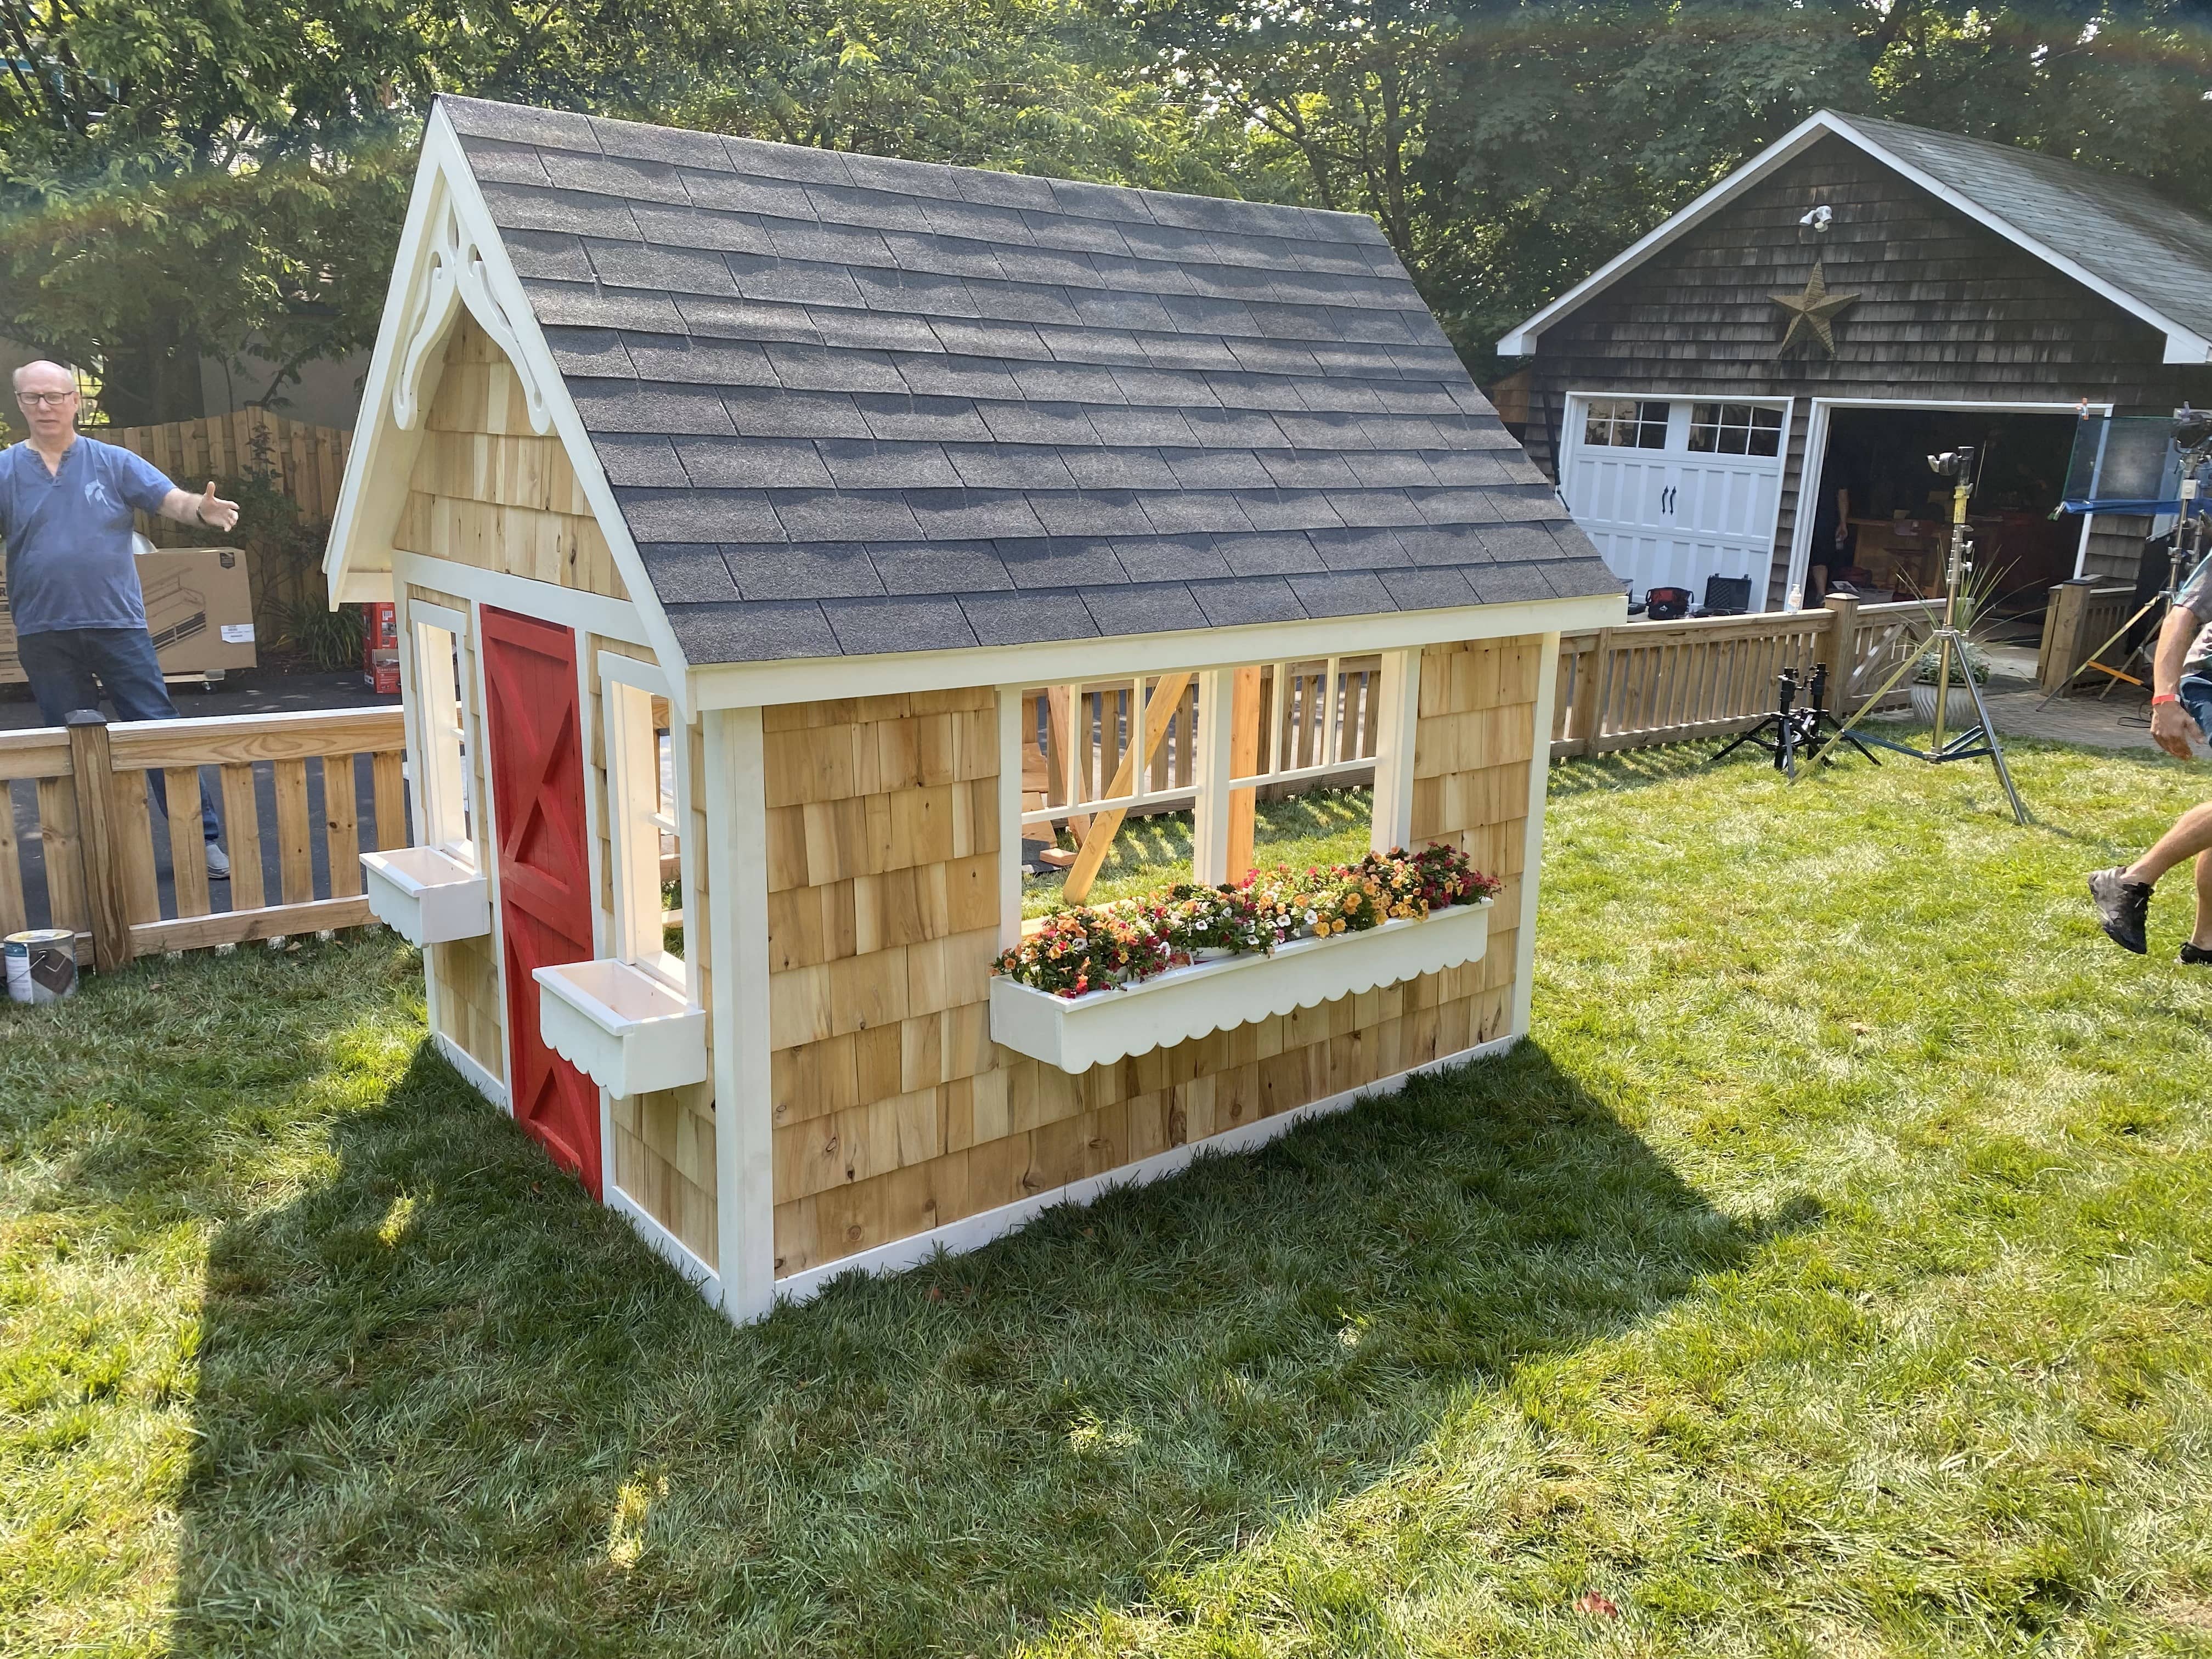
(851, 405)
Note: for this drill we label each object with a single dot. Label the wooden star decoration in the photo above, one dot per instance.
(1812, 313)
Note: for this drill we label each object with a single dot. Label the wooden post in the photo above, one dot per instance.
(1153, 722)
(1244, 762)
(105, 891)
(1840, 650)
(2064, 626)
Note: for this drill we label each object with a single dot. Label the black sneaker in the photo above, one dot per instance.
(2194, 954)
(2122, 908)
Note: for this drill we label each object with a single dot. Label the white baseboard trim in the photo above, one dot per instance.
(665, 1244)
(971, 1232)
(471, 1069)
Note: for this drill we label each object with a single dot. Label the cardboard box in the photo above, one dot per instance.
(199, 609)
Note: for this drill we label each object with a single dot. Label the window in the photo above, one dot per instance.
(1130, 784)
(646, 807)
(1735, 429)
(1624, 423)
(440, 671)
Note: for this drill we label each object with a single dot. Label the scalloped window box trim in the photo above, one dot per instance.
(426, 896)
(1076, 1033)
(623, 1029)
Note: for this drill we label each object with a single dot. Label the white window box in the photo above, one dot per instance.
(1076, 1033)
(426, 896)
(623, 1029)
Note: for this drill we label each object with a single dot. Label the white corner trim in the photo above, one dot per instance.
(972, 1232)
(1532, 854)
(2183, 344)
(736, 933)
(452, 274)
(665, 1244)
(472, 1070)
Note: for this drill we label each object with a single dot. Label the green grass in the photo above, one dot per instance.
(1831, 1275)
(1325, 827)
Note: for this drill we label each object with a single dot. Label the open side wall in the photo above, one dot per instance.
(894, 1113)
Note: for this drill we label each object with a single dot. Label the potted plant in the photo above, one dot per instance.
(1958, 707)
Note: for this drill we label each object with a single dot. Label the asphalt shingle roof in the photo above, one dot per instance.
(2115, 227)
(850, 404)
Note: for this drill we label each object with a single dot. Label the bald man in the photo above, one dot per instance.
(66, 507)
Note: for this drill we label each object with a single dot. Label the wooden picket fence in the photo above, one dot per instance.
(82, 845)
(307, 463)
(1651, 683)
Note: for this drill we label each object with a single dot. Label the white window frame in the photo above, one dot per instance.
(1215, 780)
(635, 822)
(445, 809)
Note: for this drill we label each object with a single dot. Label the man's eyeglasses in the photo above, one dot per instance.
(43, 399)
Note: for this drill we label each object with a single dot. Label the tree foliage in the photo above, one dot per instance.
(204, 174)
(1508, 147)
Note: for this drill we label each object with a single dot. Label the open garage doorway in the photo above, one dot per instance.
(1881, 519)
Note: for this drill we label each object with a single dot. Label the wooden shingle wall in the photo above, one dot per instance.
(488, 491)
(1950, 312)
(894, 1112)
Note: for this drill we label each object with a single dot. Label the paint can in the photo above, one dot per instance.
(40, 964)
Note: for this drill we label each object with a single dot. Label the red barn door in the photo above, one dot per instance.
(535, 745)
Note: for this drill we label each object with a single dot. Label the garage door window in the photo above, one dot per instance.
(1624, 423)
(1735, 429)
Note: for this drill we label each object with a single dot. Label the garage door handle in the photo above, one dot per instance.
(1667, 499)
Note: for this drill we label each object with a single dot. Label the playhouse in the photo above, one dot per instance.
(800, 557)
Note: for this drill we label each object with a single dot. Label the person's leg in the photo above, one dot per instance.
(2192, 834)
(2200, 935)
(60, 677)
(128, 667)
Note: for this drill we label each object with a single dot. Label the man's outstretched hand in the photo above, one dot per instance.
(215, 511)
(2173, 730)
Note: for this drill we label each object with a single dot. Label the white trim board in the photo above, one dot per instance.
(1815, 460)
(972, 1232)
(664, 1244)
(2183, 344)
(740, 685)
(472, 1070)
(571, 608)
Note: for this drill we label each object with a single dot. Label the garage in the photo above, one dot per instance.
(1859, 294)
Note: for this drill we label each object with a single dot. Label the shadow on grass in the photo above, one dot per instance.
(445, 1401)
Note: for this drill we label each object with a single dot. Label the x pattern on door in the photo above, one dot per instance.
(536, 750)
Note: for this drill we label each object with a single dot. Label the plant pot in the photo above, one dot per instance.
(1958, 708)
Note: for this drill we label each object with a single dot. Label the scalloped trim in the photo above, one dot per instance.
(1188, 1003)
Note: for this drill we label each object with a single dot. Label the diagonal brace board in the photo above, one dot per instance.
(1160, 709)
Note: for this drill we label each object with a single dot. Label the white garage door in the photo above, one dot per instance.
(1675, 490)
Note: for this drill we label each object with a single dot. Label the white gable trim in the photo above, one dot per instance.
(2183, 345)
(451, 255)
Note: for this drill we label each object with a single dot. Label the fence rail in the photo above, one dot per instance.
(85, 843)
(307, 461)
(1653, 682)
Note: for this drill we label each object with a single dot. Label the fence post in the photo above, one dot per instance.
(2064, 625)
(1841, 651)
(104, 895)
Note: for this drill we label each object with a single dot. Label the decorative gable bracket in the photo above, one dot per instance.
(452, 274)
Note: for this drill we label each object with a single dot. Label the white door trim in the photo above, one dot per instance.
(1570, 444)
(1816, 459)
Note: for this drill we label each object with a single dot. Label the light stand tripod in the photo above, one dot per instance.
(1791, 728)
(1948, 638)
(2192, 431)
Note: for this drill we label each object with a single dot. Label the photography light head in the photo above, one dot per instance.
(2193, 428)
(1956, 464)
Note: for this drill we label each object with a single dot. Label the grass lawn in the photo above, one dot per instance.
(1831, 1275)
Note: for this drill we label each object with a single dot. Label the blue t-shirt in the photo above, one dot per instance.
(68, 533)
